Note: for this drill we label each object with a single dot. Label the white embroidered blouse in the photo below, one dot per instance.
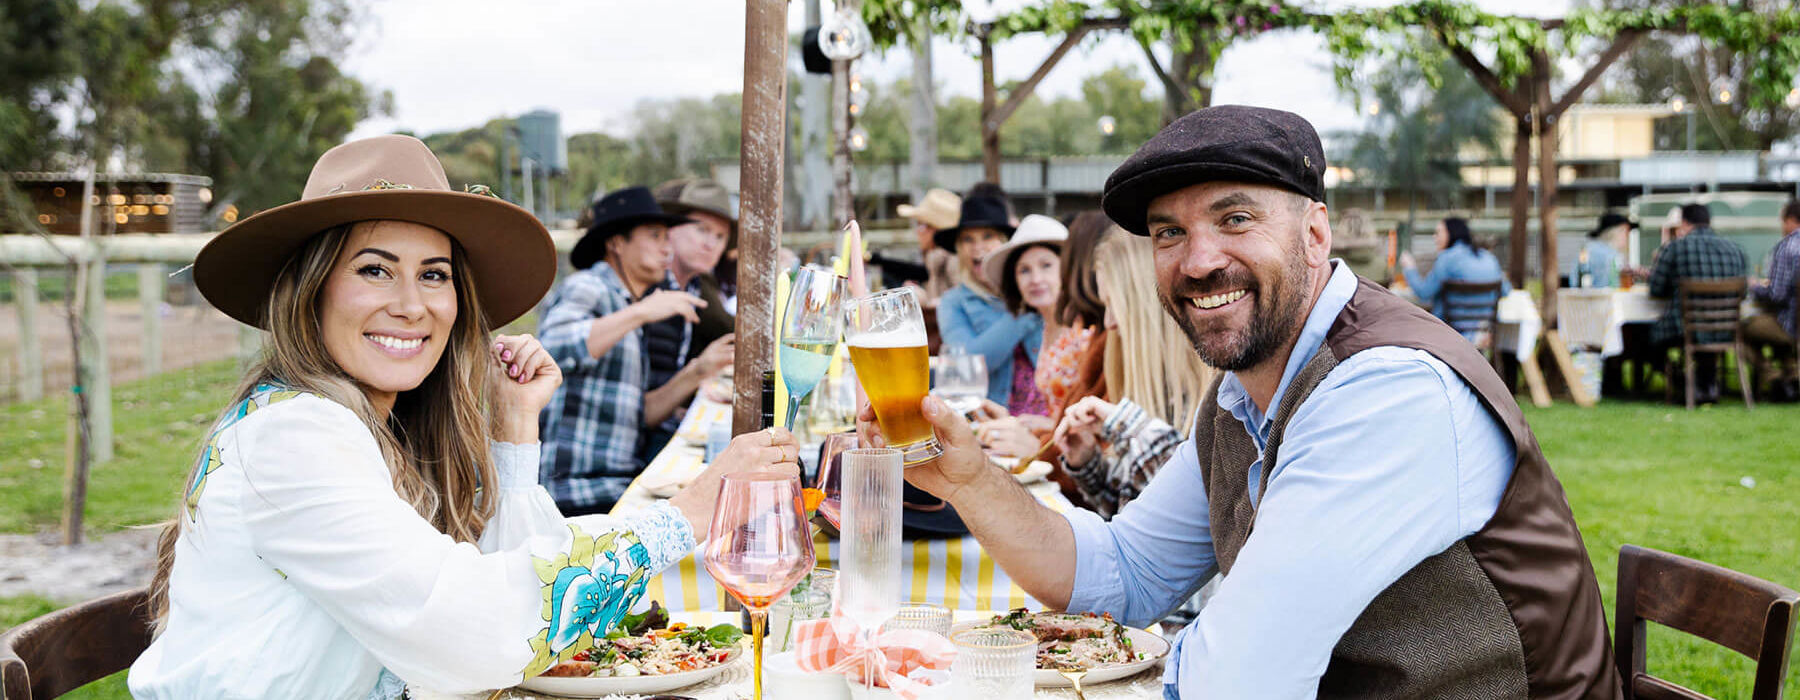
(300, 572)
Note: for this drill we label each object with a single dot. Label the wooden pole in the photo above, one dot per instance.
(1549, 271)
(31, 347)
(80, 436)
(1521, 197)
(843, 204)
(990, 125)
(98, 373)
(759, 218)
(151, 284)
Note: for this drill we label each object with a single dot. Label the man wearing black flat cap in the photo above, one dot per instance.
(593, 327)
(1379, 512)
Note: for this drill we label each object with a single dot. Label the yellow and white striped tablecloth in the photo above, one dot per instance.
(955, 573)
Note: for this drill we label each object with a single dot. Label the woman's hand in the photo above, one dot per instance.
(526, 379)
(1078, 436)
(1007, 437)
(773, 450)
(1407, 261)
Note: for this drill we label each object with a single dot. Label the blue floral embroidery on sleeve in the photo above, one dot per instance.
(263, 396)
(586, 592)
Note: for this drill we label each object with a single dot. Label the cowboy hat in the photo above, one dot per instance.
(384, 178)
(977, 212)
(939, 208)
(615, 214)
(1035, 229)
(683, 197)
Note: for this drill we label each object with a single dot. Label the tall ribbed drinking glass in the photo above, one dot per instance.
(869, 535)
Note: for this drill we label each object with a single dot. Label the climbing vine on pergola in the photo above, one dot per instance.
(1513, 58)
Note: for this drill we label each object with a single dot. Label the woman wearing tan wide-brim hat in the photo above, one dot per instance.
(365, 514)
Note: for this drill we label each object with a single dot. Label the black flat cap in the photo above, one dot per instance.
(1230, 142)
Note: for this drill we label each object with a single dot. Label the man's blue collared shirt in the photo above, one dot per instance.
(1391, 460)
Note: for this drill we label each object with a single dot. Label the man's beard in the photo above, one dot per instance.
(1277, 316)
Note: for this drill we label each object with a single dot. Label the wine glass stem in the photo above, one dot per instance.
(759, 620)
(793, 410)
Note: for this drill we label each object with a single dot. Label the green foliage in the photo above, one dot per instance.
(1664, 66)
(893, 22)
(38, 57)
(1769, 38)
(248, 93)
(1063, 126)
(1413, 143)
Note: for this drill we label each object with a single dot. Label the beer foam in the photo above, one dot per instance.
(901, 338)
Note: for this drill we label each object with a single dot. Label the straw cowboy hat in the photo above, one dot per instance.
(1035, 229)
(938, 209)
(394, 178)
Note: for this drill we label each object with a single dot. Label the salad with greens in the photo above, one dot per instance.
(647, 645)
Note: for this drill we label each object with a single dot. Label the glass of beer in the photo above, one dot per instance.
(886, 334)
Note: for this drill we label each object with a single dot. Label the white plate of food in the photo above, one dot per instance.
(1108, 650)
(656, 661)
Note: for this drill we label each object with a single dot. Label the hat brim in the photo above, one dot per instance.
(1127, 203)
(592, 246)
(507, 249)
(995, 264)
(946, 237)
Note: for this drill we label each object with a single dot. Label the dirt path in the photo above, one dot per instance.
(37, 564)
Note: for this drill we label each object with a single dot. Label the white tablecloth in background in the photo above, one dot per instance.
(1520, 325)
(1595, 317)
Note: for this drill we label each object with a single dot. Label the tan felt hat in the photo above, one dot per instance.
(382, 178)
(939, 209)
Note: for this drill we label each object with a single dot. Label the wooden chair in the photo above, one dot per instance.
(64, 650)
(1712, 307)
(1743, 613)
(1468, 304)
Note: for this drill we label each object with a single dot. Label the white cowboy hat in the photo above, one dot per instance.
(1035, 229)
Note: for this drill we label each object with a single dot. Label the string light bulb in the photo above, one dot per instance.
(1108, 125)
(844, 36)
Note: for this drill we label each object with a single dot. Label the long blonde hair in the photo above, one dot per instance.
(1148, 358)
(434, 440)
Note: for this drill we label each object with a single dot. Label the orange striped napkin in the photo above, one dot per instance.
(834, 645)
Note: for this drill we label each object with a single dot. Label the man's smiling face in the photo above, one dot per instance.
(1236, 265)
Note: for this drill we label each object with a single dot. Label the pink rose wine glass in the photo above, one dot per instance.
(758, 546)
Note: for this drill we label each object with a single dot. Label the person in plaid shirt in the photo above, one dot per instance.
(593, 328)
(1776, 332)
(1695, 253)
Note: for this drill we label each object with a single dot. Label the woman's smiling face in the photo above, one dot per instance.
(388, 307)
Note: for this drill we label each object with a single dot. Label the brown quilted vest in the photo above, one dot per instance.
(1511, 611)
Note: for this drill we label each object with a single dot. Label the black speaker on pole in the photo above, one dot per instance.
(811, 55)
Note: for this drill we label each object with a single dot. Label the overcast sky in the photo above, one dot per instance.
(454, 64)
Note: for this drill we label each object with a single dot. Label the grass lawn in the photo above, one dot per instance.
(1636, 473)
